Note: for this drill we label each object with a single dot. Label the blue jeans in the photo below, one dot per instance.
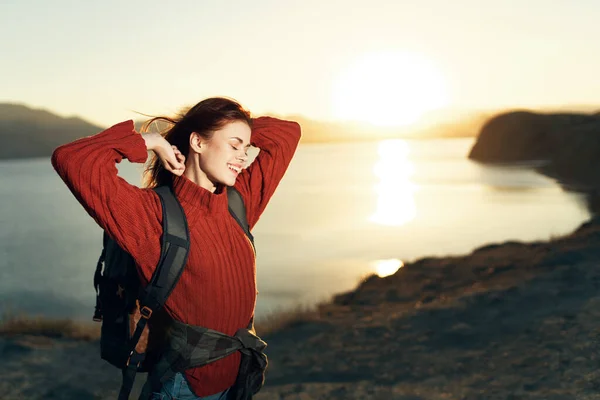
(177, 388)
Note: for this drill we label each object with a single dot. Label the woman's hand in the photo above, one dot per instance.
(169, 155)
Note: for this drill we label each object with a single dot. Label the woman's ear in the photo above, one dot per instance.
(196, 142)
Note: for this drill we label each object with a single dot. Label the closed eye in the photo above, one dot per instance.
(237, 148)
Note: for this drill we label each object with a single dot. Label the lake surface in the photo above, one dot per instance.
(342, 212)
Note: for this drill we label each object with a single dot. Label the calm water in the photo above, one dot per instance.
(342, 211)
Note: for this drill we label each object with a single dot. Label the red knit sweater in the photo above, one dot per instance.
(217, 289)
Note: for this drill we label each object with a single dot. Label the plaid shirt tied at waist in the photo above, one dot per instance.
(191, 346)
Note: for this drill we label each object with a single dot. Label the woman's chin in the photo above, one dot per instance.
(228, 182)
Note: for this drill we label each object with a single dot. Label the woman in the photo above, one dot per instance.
(204, 151)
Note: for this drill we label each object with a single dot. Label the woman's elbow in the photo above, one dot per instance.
(297, 130)
(60, 159)
(57, 157)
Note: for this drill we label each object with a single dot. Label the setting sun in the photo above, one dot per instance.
(388, 89)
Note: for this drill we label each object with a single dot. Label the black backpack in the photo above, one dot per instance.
(120, 297)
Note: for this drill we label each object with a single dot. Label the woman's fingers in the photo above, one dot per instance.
(175, 167)
(180, 157)
(171, 158)
(174, 161)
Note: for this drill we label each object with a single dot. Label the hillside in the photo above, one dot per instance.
(568, 144)
(27, 132)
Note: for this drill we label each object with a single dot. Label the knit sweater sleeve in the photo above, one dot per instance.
(277, 140)
(130, 215)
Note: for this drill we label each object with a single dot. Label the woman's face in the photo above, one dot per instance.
(225, 155)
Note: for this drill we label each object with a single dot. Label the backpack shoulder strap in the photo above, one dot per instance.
(237, 209)
(175, 245)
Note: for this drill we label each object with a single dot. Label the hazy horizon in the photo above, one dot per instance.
(442, 115)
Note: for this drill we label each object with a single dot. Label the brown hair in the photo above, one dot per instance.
(204, 118)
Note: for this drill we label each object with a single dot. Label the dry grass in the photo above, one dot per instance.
(18, 324)
(278, 320)
(14, 325)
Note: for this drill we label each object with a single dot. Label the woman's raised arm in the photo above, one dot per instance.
(131, 215)
(277, 140)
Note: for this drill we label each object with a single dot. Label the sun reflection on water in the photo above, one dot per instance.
(395, 191)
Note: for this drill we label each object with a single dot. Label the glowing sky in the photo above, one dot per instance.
(102, 60)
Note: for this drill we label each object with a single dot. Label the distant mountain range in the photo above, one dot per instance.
(26, 132)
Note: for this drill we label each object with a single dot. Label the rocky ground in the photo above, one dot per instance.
(509, 321)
